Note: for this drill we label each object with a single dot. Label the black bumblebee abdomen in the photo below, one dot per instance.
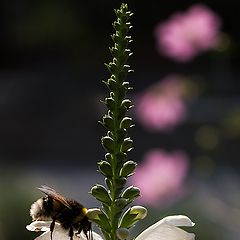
(68, 217)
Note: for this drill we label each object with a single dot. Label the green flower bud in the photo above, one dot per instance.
(132, 215)
(93, 214)
(131, 193)
(108, 157)
(122, 90)
(105, 168)
(120, 182)
(100, 193)
(121, 133)
(140, 211)
(126, 103)
(108, 143)
(110, 102)
(107, 122)
(126, 85)
(102, 220)
(126, 122)
(122, 233)
(127, 145)
(112, 67)
(121, 203)
(108, 182)
(127, 220)
(121, 157)
(127, 169)
(112, 84)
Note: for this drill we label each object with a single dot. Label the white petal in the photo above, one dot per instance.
(166, 229)
(95, 236)
(39, 226)
(178, 221)
(58, 234)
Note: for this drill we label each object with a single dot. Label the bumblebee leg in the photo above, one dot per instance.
(86, 234)
(71, 233)
(91, 234)
(79, 229)
(52, 225)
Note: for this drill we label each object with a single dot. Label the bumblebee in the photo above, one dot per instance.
(69, 213)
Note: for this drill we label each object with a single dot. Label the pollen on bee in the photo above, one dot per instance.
(84, 211)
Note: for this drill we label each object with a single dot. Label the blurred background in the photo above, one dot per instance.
(187, 107)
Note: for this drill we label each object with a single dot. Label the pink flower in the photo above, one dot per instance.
(161, 107)
(160, 177)
(187, 34)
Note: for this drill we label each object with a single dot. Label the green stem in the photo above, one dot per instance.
(115, 142)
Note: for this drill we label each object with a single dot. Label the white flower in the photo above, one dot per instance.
(165, 229)
(59, 233)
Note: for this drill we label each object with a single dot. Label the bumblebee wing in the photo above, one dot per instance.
(55, 195)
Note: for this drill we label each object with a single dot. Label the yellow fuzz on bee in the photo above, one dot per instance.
(84, 211)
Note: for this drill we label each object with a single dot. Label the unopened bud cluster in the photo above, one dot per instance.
(116, 167)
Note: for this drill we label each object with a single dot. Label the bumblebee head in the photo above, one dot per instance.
(39, 210)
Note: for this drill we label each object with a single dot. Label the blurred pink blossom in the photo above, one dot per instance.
(187, 34)
(162, 107)
(160, 177)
